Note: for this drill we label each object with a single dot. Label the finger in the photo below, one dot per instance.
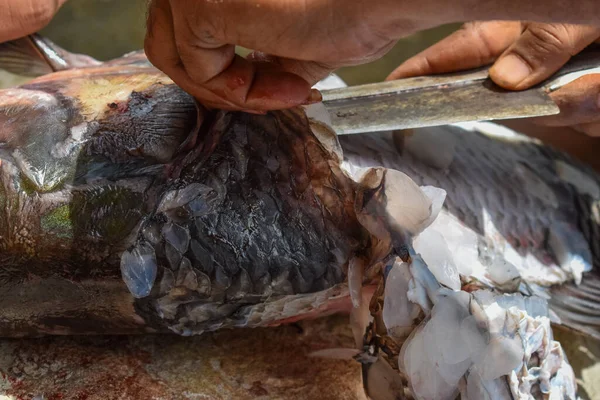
(591, 129)
(474, 45)
(209, 69)
(579, 104)
(311, 71)
(539, 52)
(258, 86)
(24, 17)
(161, 50)
(564, 138)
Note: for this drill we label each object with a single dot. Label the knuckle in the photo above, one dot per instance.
(549, 39)
(493, 36)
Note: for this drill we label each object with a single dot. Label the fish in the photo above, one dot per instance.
(130, 208)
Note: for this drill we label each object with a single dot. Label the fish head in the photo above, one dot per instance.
(79, 150)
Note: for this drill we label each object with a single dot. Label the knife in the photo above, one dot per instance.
(446, 99)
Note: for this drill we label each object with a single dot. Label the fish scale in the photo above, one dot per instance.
(522, 219)
(318, 273)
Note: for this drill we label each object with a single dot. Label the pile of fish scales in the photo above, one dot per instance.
(468, 314)
(481, 344)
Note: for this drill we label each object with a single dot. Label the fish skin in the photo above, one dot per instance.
(98, 168)
(482, 177)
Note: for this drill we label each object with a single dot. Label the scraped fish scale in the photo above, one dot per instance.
(514, 180)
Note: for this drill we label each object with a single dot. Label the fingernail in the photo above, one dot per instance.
(509, 71)
(314, 97)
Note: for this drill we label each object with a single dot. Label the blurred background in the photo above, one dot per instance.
(107, 29)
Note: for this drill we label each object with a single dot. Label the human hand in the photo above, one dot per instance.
(296, 43)
(23, 17)
(524, 54)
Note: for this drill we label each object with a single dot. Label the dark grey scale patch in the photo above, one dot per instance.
(103, 219)
(271, 219)
(590, 224)
(151, 124)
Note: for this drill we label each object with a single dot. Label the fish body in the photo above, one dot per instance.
(128, 207)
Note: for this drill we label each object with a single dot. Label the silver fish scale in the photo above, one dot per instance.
(277, 224)
(482, 176)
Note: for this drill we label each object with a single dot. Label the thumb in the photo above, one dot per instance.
(540, 51)
(579, 104)
(21, 18)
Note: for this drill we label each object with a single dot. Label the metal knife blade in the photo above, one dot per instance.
(446, 99)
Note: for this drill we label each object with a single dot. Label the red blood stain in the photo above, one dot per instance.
(120, 107)
(82, 396)
(15, 383)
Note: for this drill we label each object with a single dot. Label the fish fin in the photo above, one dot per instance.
(35, 55)
(578, 306)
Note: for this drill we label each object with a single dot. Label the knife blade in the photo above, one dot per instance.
(446, 99)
